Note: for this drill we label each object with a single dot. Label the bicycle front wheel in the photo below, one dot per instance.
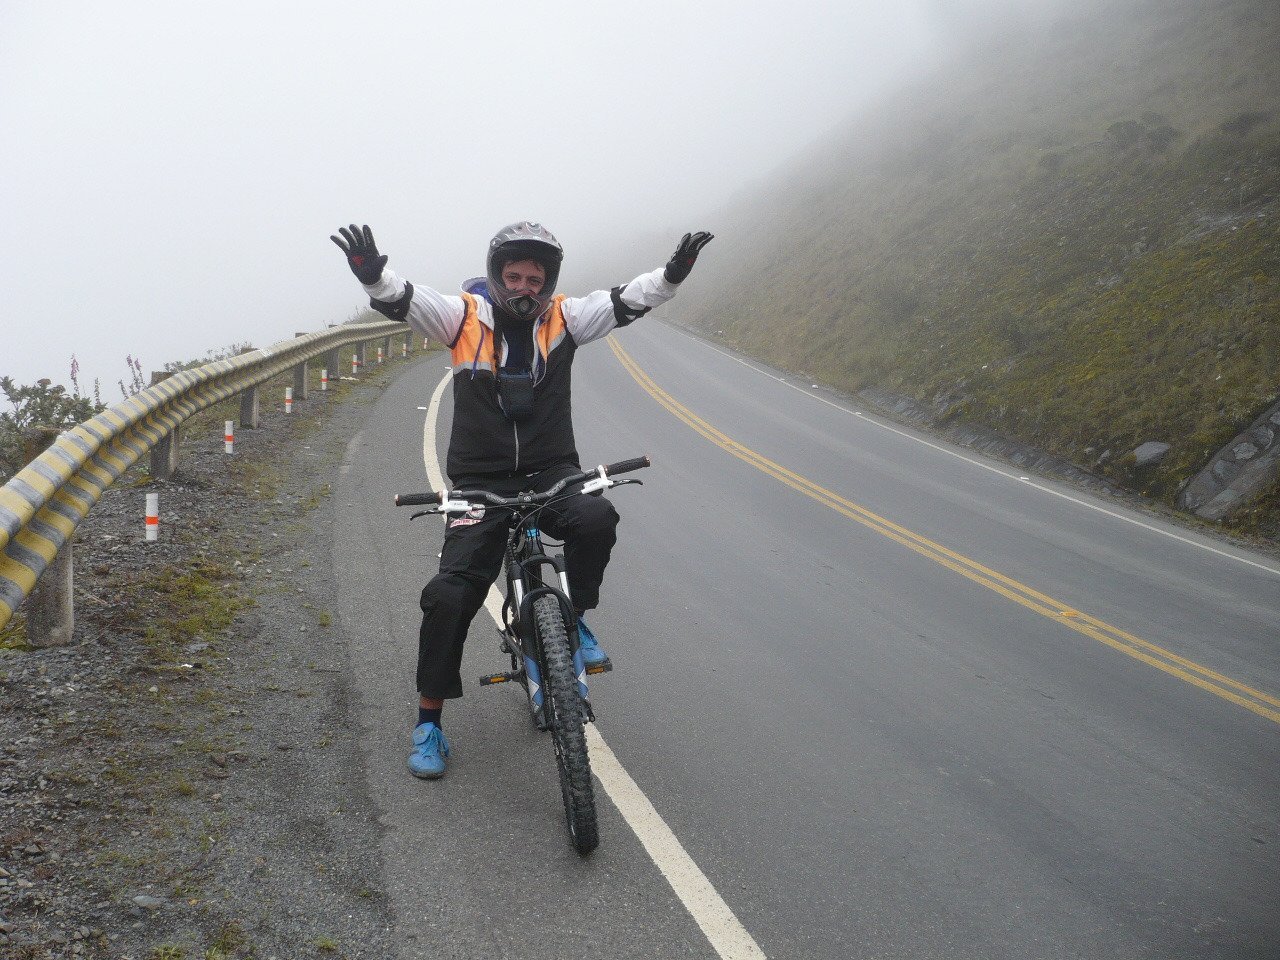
(567, 715)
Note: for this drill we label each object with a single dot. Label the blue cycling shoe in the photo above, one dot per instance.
(429, 750)
(592, 653)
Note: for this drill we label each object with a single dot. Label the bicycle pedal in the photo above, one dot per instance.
(604, 667)
(500, 678)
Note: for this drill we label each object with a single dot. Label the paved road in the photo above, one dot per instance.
(894, 702)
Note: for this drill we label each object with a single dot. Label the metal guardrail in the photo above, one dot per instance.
(41, 506)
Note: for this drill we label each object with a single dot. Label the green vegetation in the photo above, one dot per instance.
(1076, 243)
(13, 635)
(42, 404)
(188, 603)
(232, 941)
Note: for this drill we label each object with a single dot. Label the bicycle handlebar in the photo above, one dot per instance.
(626, 466)
(441, 496)
(418, 499)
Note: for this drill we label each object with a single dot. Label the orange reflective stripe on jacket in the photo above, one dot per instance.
(473, 347)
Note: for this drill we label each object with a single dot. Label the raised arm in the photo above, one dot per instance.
(595, 315)
(429, 312)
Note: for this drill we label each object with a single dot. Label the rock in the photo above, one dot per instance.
(1244, 451)
(148, 902)
(1150, 453)
(1225, 471)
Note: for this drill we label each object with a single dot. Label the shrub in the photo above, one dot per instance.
(42, 404)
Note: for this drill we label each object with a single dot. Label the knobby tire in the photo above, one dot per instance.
(567, 716)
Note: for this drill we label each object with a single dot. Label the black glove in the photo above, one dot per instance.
(362, 253)
(686, 255)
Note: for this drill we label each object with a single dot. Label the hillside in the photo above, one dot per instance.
(1068, 234)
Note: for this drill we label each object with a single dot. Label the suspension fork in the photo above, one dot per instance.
(538, 560)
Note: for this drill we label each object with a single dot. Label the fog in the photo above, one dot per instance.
(171, 172)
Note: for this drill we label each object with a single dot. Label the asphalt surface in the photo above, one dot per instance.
(867, 753)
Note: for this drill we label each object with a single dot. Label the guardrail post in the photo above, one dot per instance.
(164, 455)
(333, 365)
(300, 390)
(300, 372)
(249, 408)
(50, 607)
(386, 349)
(360, 354)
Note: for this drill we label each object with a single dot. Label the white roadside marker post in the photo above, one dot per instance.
(229, 436)
(153, 516)
(288, 399)
(355, 364)
(379, 354)
(324, 379)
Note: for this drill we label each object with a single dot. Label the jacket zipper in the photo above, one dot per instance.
(516, 430)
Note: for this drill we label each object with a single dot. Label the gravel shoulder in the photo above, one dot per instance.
(184, 779)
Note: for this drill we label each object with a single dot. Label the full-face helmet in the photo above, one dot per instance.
(523, 241)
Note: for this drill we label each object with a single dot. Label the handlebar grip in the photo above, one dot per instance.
(418, 499)
(626, 466)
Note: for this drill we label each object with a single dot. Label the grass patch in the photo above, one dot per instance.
(317, 497)
(13, 635)
(231, 941)
(187, 603)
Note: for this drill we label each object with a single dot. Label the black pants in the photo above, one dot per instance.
(472, 559)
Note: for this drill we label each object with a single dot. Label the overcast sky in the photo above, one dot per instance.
(170, 172)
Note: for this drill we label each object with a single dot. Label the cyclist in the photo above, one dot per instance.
(512, 339)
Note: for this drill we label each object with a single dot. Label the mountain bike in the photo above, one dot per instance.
(540, 629)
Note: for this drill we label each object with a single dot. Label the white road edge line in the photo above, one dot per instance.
(728, 937)
(986, 466)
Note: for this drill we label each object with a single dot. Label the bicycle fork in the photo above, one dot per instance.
(524, 656)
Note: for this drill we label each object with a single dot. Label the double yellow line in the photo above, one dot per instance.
(1149, 653)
